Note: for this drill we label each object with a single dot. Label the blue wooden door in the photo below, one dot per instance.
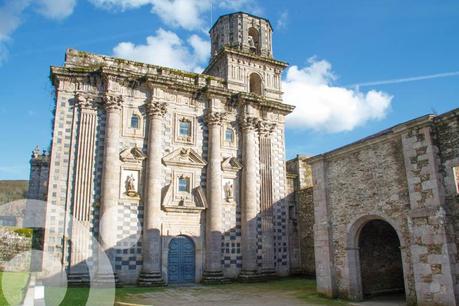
(181, 260)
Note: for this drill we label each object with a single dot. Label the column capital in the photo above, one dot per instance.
(265, 128)
(84, 102)
(112, 103)
(249, 123)
(215, 118)
(156, 109)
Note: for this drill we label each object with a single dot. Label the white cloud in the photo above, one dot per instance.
(188, 14)
(282, 21)
(53, 9)
(167, 49)
(11, 14)
(10, 19)
(324, 107)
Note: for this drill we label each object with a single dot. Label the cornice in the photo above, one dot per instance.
(228, 50)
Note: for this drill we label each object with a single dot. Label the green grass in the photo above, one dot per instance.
(12, 190)
(15, 284)
(79, 296)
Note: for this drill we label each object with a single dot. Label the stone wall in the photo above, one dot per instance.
(12, 248)
(300, 197)
(402, 176)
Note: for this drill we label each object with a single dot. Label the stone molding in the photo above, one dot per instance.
(184, 157)
(215, 118)
(231, 164)
(132, 155)
(156, 109)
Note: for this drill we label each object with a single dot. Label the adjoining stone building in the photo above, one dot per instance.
(387, 213)
(196, 161)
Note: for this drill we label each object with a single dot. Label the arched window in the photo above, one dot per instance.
(255, 84)
(135, 122)
(229, 135)
(254, 40)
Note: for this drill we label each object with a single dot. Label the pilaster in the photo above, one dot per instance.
(323, 243)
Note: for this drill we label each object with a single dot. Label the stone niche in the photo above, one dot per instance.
(131, 170)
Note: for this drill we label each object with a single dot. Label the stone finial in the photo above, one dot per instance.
(112, 102)
(156, 109)
(215, 118)
(36, 153)
(249, 123)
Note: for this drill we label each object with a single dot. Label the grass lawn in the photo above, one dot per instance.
(79, 296)
(14, 284)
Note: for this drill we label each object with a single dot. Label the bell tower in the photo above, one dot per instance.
(241, 53)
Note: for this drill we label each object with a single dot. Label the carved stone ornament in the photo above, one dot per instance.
(266, 128)
(84, 102)
(132, 155)
(231, 164)
(215, 118)
(249, 123)
(156, 109)
(196, 205)
(184, 157)
(112, 102)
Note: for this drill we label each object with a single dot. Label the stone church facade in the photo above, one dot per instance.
(181, 176)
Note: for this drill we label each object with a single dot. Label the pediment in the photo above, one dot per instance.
(184, 157)
(132, 155)
(231, 164)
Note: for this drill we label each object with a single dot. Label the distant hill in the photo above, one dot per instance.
(12, 190)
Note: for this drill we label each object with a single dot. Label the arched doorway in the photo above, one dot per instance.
(181, 261)
(381, 264)
(255, 84)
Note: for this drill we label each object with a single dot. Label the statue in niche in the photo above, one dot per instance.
(228, 188)
(130, 186)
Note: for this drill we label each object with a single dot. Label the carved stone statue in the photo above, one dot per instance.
(130, 186)
(228, 188)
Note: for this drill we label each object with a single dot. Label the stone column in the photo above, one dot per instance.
(110, 183)
(151, 274)
(249, 201)
(213, 267)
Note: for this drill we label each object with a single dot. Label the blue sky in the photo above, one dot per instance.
(330, 46)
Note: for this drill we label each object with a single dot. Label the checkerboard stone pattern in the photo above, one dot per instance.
(231, 240)
(128, 256)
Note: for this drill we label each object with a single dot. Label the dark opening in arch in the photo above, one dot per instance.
(380, 259)
(255, 84)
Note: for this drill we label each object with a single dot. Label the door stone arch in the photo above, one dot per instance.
(353, 254)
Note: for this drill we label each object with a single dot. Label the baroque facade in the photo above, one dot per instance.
(181, 176)
(386, 213)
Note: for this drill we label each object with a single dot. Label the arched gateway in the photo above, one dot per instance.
(181, 261)
(374, 258)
